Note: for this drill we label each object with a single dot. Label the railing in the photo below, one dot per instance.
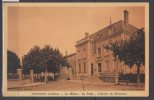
(110, 74)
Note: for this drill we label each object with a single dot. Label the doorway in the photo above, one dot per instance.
(92, 69)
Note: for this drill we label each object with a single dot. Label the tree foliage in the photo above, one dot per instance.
(40, 60)
(32, 60)
(130, 51)
(13, 62)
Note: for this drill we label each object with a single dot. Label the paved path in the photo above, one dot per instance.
(17, 84)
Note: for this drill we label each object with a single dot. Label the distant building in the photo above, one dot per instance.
(72, 61)
(92, 59)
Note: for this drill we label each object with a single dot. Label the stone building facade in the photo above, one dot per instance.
(93, 60)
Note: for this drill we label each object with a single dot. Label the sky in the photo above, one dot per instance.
(61, 27)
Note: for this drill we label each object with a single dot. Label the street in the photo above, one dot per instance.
(76, 85)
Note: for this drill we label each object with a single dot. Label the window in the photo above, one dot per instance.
(110, 31)
(92, 46)
(84, 67)
(92, 69)
(84, 53)
(107, 50)
(99, 67)
(99, 52)
(79, 67)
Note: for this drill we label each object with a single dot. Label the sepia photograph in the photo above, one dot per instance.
(76, 49)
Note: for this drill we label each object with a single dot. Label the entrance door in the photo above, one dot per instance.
(92, 69)
(99, 67)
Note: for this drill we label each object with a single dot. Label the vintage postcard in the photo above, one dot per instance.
(76, 49)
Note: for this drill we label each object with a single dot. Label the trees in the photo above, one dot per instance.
(46, 59)
(131, 51)
(13, 62)
(32, 60)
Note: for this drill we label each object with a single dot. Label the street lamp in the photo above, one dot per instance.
(82, 77)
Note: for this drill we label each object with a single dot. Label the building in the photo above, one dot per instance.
(93, 60)
(72, 62)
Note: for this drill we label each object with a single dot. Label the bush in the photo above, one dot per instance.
(132, 77)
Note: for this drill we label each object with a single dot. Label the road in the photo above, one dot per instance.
(76, 85)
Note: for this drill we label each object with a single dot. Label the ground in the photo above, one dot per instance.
(76, 85)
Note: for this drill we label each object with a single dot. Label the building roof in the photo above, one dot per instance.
(115, 27)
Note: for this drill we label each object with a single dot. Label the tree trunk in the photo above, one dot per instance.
(45, 77)
(138, 75)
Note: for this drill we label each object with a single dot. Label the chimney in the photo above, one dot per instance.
(110, 21)
(86, 34)
(126, 17)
